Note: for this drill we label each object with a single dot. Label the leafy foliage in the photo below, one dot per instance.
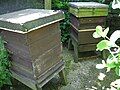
(65, 24)
(4, 65)
(113, 60)
(65, 28)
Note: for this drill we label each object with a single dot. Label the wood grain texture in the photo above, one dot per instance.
(47, 60)
(83, 36)
(88, 12)
(21, 70)
(87, 22)
(42, 33)
(27, 63)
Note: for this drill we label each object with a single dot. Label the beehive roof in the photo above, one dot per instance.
(87, 5)
(28, 19)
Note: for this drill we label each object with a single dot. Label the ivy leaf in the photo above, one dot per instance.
(96, 35)
(104, 44)
(117, 70)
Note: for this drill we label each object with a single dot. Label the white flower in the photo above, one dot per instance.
(115, 36)
(112, 88)
(116, 83)
(116, 4)
(101, 76)
(101, 66)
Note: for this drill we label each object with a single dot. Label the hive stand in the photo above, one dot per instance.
(61, 75)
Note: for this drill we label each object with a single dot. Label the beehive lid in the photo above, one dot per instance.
(87, 5)
(30, 19)
(88, 9)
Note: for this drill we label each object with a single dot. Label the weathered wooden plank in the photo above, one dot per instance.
(88, 12)
(76, 12)
(87, 47)
(84, 47)
(41, 46)
(28, 82)
(22, 61)
(47, 60)
(21, 70)
(87, 22)
(52, 73)
(76, 52)
(88, 9)
(14, 37)
(54, 70)
(83, 36)
(74, 32)
(42, 33)
(20, 50)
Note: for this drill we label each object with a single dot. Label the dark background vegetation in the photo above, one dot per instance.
(14, 5)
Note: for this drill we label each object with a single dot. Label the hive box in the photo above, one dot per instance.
(88, 9)
(85, 16)
(33, 39)
(87, 22)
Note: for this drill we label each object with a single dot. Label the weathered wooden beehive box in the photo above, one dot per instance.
(88, 9)
(7, 6)
(33, 39)
(85, 16)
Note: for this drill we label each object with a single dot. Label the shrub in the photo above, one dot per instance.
(5, 74)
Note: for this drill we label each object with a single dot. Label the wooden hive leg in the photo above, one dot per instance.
(76, 52)
(70, 46)
(63, 77)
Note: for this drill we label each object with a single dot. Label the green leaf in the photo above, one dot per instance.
(105, 32)
(104, 44)
(99, 30)
(95, 35)
(117, 70)
(111, 65)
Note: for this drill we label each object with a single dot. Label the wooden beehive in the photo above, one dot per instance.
(7, 6)
(85, 16)
(33, 39)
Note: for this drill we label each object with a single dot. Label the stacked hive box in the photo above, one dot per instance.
(85, 16)
(33, 39)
